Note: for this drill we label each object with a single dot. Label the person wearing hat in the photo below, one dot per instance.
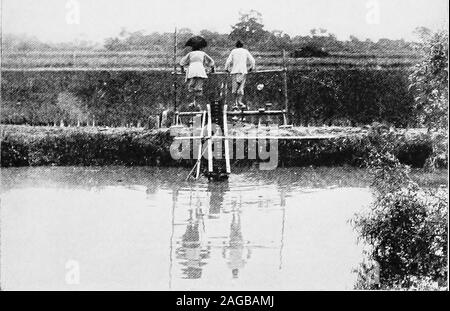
(196, 61)
(238, 64)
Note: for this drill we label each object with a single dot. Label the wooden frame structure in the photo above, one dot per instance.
(207, 124)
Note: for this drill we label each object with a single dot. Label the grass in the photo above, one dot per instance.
(119, 97)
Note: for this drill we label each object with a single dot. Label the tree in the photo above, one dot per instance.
(429, 82)
(250, 28)
(423, 33)
(279, 40)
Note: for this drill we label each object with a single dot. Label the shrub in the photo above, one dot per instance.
(407, 229)
(406, 226)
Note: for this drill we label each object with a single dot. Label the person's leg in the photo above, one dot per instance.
(241, 90)
(199, 92)
(239, 98)
(234, 87)
(236, 100)
(191, 90)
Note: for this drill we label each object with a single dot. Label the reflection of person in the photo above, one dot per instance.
(217, 193)
(191, 250)
(236, 247)
(237, 66)
(196, 60)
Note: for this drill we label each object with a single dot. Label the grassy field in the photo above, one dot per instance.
(161, 60)
(118, 97)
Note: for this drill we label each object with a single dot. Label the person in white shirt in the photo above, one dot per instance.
(238, 64)
(196, 61)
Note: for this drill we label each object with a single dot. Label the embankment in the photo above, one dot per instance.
(85, 146)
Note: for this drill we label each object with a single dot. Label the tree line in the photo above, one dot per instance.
(249, 28)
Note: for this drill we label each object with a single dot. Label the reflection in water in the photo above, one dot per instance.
(216, 192)
(236, 247)
(191, 253)
(144, 228)
(195, 244)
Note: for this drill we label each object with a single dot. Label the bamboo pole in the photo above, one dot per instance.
(285, 86)
(226, 142)
(210, 155)
(175, 43)
(200, 153)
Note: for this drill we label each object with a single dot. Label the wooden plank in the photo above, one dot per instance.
(189, 113)
(256, 112)
(262, 137)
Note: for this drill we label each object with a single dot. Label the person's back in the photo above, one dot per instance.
(196, 60)
(238, 61)
(238, 64)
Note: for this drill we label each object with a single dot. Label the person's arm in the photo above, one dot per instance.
(209, 61)
(184, 61)
(252, 61)
(228, 62)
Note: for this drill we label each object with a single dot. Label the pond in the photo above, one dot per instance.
(141, 228)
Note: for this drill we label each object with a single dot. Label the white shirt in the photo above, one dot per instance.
(196, 61)
(238, 61)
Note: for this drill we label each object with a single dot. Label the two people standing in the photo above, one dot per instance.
(238, 64)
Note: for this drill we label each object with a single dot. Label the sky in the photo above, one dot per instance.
(58, 20)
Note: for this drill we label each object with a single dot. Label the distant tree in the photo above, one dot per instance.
(183, 34)
(423, 33)
(114, 44)
(250, 28)
(123, 32)
(23, 43)
(354, 39)
(279, 40)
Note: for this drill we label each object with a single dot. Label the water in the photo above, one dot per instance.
(116, 228)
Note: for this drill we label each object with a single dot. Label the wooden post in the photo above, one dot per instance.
(175, 43)
(200, 151)
(285, 86)
(210, 155)
(225, 134)
(225, 92)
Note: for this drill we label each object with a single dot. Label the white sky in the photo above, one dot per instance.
(46, 19)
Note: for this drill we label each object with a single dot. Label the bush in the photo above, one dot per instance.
(406, 226)
(309, 51)
(408, 232)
